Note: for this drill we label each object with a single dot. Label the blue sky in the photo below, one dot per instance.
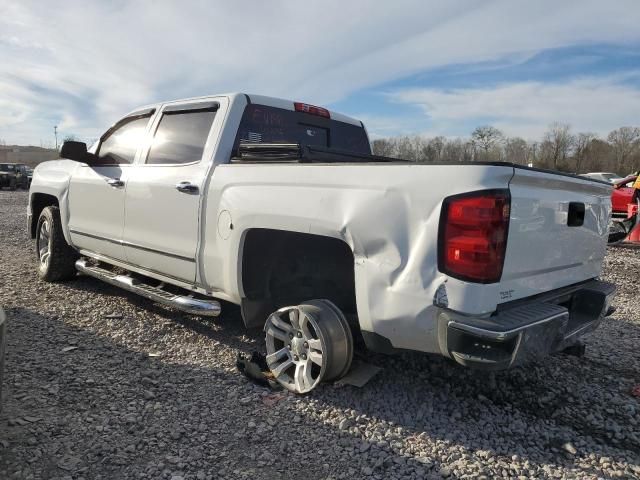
(414, 67)
(575, 74)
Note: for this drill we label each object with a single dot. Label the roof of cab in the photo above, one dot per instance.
(259, 99)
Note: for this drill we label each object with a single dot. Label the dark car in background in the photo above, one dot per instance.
(29, 174)
(22, 176)
(14, 175)
(8, 177)
(603, 176)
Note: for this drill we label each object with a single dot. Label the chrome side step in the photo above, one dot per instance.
(195, 306)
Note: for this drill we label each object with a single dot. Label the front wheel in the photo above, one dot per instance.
(56, 258)
(308, 344)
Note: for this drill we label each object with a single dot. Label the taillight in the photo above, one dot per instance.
(312, 109)
(473, 235)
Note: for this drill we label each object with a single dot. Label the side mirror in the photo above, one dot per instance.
(74, 151)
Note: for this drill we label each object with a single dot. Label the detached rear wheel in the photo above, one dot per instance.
(56, 258)
(308, 344)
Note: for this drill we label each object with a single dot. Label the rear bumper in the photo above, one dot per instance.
(527, 330)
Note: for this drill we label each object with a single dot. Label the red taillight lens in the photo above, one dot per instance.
(311, 109)
(473, 235)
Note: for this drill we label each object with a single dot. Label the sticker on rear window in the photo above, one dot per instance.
(254, 137)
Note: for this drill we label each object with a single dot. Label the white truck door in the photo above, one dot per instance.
(97, 191)
(165, 190)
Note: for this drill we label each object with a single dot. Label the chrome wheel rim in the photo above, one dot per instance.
(307, 344)
(42, 243)
(295, 352)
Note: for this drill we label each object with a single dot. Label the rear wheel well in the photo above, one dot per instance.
(39, 201)
(281, 268)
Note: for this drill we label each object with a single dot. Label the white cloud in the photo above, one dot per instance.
(592, 104)
(87, 62)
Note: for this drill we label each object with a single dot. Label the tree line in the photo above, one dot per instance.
(558, 149)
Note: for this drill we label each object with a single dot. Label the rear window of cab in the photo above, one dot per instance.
(265, 124)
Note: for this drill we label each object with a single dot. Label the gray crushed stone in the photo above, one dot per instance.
(101, 384)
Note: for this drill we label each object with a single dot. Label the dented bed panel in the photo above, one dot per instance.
(387, 214)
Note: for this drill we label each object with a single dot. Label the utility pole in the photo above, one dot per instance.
(534, 145)
(55, 132)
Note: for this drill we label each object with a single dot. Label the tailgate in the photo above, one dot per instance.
(557, 234)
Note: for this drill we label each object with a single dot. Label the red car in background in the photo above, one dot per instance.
(623, 194)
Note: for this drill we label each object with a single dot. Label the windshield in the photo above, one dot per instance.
(612, 177)
(263, 124)
(7, 167)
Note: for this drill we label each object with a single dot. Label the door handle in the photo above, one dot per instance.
(115, 182)
(187, 187)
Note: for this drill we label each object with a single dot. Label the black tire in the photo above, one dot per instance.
(59, 262)
(13, 186)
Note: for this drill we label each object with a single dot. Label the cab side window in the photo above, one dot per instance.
(120, 144)
(180, 137)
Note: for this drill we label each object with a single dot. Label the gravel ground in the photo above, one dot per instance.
(104, 385)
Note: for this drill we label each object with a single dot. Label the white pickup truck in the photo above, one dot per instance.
(279, 206)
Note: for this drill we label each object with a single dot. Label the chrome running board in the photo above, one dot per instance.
(195, 306)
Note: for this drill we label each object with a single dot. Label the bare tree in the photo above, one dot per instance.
(383, 147)
(624, 141)
(599, 157)
(516, 150)
(405, 149)
(581, 145)
(454, 151)
(559, 149)
(435, 149)
(556, 144)
(486, 138)
(419, 147)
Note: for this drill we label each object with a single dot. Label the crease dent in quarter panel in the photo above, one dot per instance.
(398, 261)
